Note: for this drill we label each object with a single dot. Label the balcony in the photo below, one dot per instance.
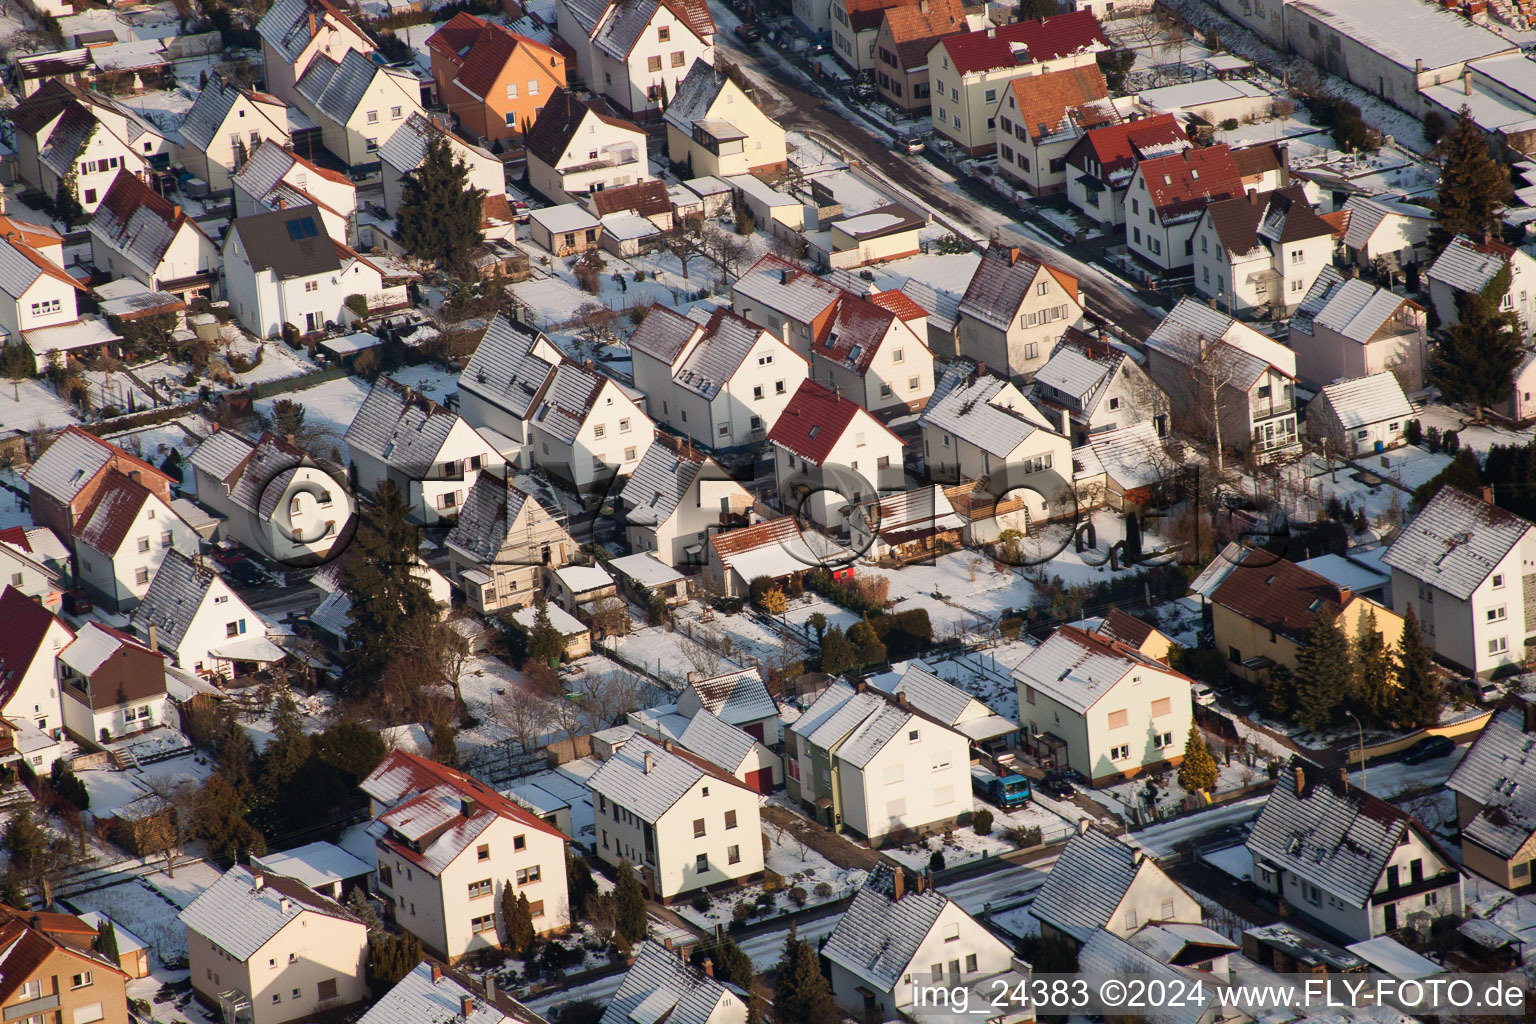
(38, 1006)
(1392, 894)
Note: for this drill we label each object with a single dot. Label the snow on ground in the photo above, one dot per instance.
(32, 404)
(1234, 860)
(278, 361)
(186, 885)
(671, 655)
(1479, 436)
(1394, 778)
(331, 405)
(801, 609)
(751, 641)
(143, 910)
(431, 380)
(1160, 840)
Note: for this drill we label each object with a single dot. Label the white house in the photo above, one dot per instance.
(273, 497)
(867, 762)
(891, 942)
(357, 103)
(929, 694)
(1105, 708)
(36, 562)
(681, 821)
(432, 456)
(1462, 565)
(92, 143)
(1099, 165)
(1040, 118)
(715, 128)
(295, 32)
(406, 151)
(504, 543)
(738, 698)
(659, 981)
(733, 376)
(275, 178)
(503, 382)
(35, 290)
(225, 126)
(1015, 311)
(636, 54)
(1165, 199)
(1261, 251)
(1468, 267)
(270, 949)
(1101, 388)
(1350, 864)
(574, 150)
(830, 452)
(675, 497)
(29, 647)
(1110, 885)
(1494, 790)
(1380, 226)
(124, 537)
(137, 233)
(434, 993)
(587, 430)
(447, 846)
(110, 685)
(1361, 415)
(201, 622)
(1351, 328)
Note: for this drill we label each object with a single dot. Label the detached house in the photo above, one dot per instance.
(91, 142)
(1361, 415)
(830, 452)
(269, 949)
(1463, 565)
(1041, 117)
(730, 720)
(225, 126)
(1099, 387)
(1168, 195)
(110, 685)
(406, 151)
(971, 72)
(855, 24)
(1014, 312)
(56, 972)
(777, 549)
(637, 52)
(1101, 706)
(138, 233)
(29, 648)
(1261, 252)
(588, 430)
(661, 982)
(891, 942)
(37, 297)
(1350, 864)
(734, 377)
(676, 497)
(1468, 267)
(715, 127)
(1345, 329)
(447, 846)
(493, 81)
(1099, 166)
(275, 178)
(684, 823)
(358, 104)
(503, 382)
(433, 993)
(35, 561)
(191, 614)
(737, 698)
(1494, 784)
(906, 37)
(295, 32)
(431, 455)
(575, 150)
(1383, 226)
(504, 542)
(1110, 885)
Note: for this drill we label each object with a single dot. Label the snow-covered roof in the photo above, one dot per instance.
(644, 567)
(402, 428)
(1076, 668)
(1468, 265)
(1345, 572)
(1352, 309)
(1389, 956)
(1087, 883)
(1363, 401)
(579, 579)
(722, 744)
(1498, 776)
(1129, 455)
(431, 995)
(738, 697)
(878, 935)
(565, 217)
(244, 909)
(1191, 327)
(947, 703)
(1455, 542)
(985, 410)
(661, 986)
(1366, 214)
(647, 780)
(564, 622)
(1405, 33)
(178, 590)
(314, 864)
(1107, 955)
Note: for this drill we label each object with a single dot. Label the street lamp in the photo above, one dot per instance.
(1363, 787)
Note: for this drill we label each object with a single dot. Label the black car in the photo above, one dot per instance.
(1054, 785)
(1429, 748)
(246, 572)
(1072, 775)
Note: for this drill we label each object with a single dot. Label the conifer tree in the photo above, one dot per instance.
(544, 642)
(1373, 671)
(440, 213)
(838, 655)
(1475, 363)
(1198, 770)
(1474, 186)
(1323, 672)
(800, 990)
(106, 941)
(866, 644)
(390, 958)
(632, 921)
(286, 754)
(378, 579)
(1420, 694)
(580, 885)
(518, 915)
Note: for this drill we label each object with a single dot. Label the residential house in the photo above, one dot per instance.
(36, 562)
(494, 81)
(738, 698)
(868, 762)
(733, 376)
(1127, 629)
(56, 973)
(970, 72)
(575, 149)
(644, 201)
(225, 126)
(951, 706)
(1196, 351)
(431, 455)
(1464, 565)
(1126, 469)
(1349, 864)
(684, 823)
(283, 268)
(89, 143)
(855, 24)
(110, 685)
(1362, 415)
(1041, 118)
(432, 993)
(715, 127)
(578, 587)
(139, 234)
(504, 542)
(406, 151)
(37, 296)
(1263, 612)
(564, 230)
(1110, 885)
(1099, 387)
(646, 569)
(1166, 198)
(275, 178)
(636, 53)
(889, 232)
(1014, 312)
(1100, 164)
(1102, 707)
(830, 452)
(980, 426)
(661, 982)
(1261, 252)
(918, 523)
(267, 948)
(676, 497)
(1493, 784)
(1468, 267)
(575, 636)
(1380, 226)
(503, 383)
(447, 845)
(1172, 955)
(194, 616)
(1345, 329)
(776, 549)
(358, 104)
(272, 496)
(29, 648)
(296, 32)
(589, 431)
(324, 867)
(907, 35)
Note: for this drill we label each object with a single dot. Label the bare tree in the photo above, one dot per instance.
(525, 714)
(180, 800)
(595, 326)
(730, 253)
(682, 243)
(441, 650)
(706, 661)
(1208, 379)
(609, 698)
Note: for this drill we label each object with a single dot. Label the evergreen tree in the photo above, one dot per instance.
(445, 745)
(287, 753)
(1132, 538)
(1420, 694)
(1461, 472)
(800, 990)
(106, 942)
(219, 820)
(378, 579)
(580, 886)
(26, 842)
(66, 200)
(518, 915)
(390, 958)
(632, 922)
(1475, 363)
(1323, 672)
(544, 641)
(1373, 671)
(867, 645)
(234, 755)
(1279, 691)
(838, 655)
(1198, 770)
(1474, 185)
(63, 781)
(728, 961)
(440, 213)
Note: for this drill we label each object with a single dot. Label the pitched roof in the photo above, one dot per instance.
(625, 21)
(289, 25)
(481, 49)
(914, 30)
(486, 519)
(400, 427)
(1281, 216)
(570, 399)
(1455, 541)
(661, 986)
(648, 779)
(1116, 148)
(878, 935)
(715, 740)
(22, 262)
(646, 198)
(558, 122)
(1050, 102)
(421, 998)
(73, 459)
(900, 303)
(1278, 595)
(1096, 873)
(1026, 42)
(696, 94)
(243, 910)
(505, 370)
(292, 242)
(211, 108)
(112, 512)
(1076, 668)
(1125, 628)
(984, 410)
(175, 594)
(852, 335)
(26, 625)
(867, 14)
(137, 221)
(36, 112)
(28, 939)
(737, 697)
(786, 288)
(814, 420)
(1468, 265)
(1183, 183)
(1366, 214)
(1498, 774)
(336, 88)
(1362, 401)
(665, 473)
(252, 471)
(1192, 329)
(269, 165)
(1353, 309)
(1000, 283)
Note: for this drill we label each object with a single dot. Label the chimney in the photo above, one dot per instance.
(1301, 779)
(650, 763)
(466, 1006)
(923, 6)
(258, 881)
(1488, 494)
(468, 807)
(667, 746)
(666, 942)
(314, 28)
(690, 677)
(784, 274)
(285, 905)
(2, 202)
(1083, 825)
(437, 973)
(1138, 855)
(709, 968)
(981, 369)
(176, 211)
(901, 699)
(154, 637)
(1253, 196)
(1341, 774)
(1066, 423)
(991, 31)
(898, 883)
(1466, 84)
(1530, 716)
(1418, 65)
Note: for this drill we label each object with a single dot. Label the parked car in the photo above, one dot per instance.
(1053, 785)
(245, 571)
(1202, 694)
(747, 33)
(1429, 748)
(910, 144)
(1484, 690)
(1072, 775)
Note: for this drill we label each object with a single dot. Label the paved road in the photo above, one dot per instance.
(1159, 840)
(974, 893)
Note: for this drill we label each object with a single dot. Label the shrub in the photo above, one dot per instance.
(700, 902)
(1025, 837)
(1413, 432)
(765, 901)
(798, 896)
(981, 821)
(772, 881)
(729, 605)
(741, 912)
(823, 889)
(1450, 441)
(291, 336)
(1229, 125)
(953, 244)
(904, 634)
(357, 304)
(936, 861)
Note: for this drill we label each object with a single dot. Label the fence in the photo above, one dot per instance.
(135, 420)
(1454, 730)
(305, 380)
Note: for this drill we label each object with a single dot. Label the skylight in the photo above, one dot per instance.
(302, 228)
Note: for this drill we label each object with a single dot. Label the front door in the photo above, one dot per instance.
(1389, 916)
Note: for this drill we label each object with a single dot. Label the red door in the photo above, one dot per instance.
(761, 781)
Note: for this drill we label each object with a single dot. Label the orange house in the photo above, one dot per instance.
(494, 81)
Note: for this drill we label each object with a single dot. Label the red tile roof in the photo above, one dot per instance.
(134, 461)
(1278, 595)
(26, 624)
(867, 14)
(16, 535)
(481, 49)
(914, 31)
(409, 776)
(112, 512)
(1044, 101)
(852, 334)
(28, 947)
(1046, 39)
(1117, 145)
(1187, 181)
(900, 303)
(646, 198)
(814, 419)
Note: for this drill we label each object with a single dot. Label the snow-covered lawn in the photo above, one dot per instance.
(751, 641)
(331, 405)
(32, 404)
(962, 844)
(671, 655)
(1233, 860)
(278, 361)
(143, 910)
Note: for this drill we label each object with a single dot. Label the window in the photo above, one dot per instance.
(894, 773)
(1167, 910)
(90, 197)
(1120, 753)
(1130, 919)
(536, 909)
(913, 383)
(483, 923)
(1498, 645)
(165, 538)
(701, 863)
(898, 355)
(141, 576)
(480, 888)
(599, 431)
(1119, 719)
(730, 820)
(778, 387)
(80, 980)
(664, 34)
(1162, 707)
(533, 87)
(1498, 614)
(1164, 740)
(394, 113)
(518, 843)
(1498, 581)
(733, 855)
(511, 92)
(16, 578)
(653, 64)
(629, 454)
(527, 876)
(371, 145)
(677, 62)
(970, 963)
(698, 827)
(1031, 350)
(912, 736)
(624, 426)
(937, 970)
